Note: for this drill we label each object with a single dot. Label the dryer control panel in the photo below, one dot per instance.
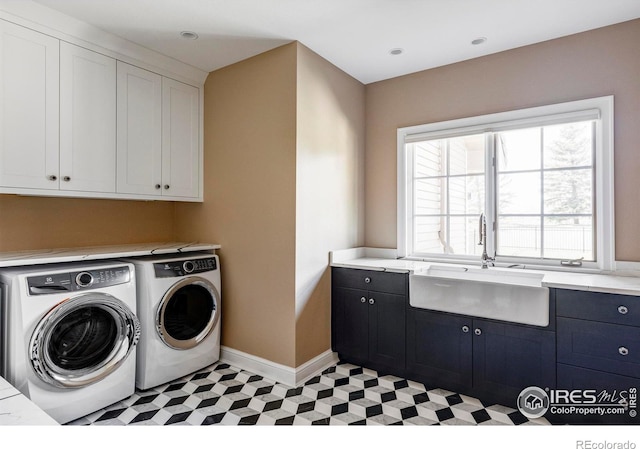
(176, 268)
(73, 281)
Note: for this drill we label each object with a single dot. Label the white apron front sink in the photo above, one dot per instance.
(495, 293)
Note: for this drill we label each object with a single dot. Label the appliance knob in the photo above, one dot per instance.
(84, 279)
(188, 266)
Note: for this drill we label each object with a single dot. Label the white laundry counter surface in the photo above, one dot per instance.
(16, 409)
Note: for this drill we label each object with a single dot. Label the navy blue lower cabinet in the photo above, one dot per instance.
(387, 331)
(439, 349)
(367, 325)
(508, 358)
(350, 324)
(606, 387)
(491, 360)
(598, 353)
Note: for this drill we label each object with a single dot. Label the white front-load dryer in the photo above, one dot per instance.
(179, 311)
(69, 335)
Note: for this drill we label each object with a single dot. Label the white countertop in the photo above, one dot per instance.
(17, 410)
(37, 257)
(386, 260)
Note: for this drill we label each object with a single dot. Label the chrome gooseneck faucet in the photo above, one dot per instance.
(485, 259)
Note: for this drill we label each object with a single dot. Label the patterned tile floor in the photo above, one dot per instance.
(342, 395)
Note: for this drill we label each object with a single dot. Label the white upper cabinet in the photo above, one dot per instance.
(180, 139)
(77, 121)
(29, 78)
(139, 131)
(87, 120)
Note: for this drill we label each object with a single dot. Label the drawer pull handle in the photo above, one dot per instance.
(363, 299)
(623, 351)
(623, 310)
(371, 301)
(478, 331)
(465, 329)
(367, 280)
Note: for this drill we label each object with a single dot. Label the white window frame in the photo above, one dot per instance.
(600, 108)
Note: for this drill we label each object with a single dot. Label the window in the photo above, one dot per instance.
(541, 177)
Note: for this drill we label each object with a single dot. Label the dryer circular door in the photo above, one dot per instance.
(83, 339)
(188, 312)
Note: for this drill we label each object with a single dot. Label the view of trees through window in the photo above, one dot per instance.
(541, 189)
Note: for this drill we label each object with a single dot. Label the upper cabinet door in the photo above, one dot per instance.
(29, 105)
(87, 120)
(139, 131)
(180, 139)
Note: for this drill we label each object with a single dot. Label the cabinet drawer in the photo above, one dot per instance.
(600, 346)
(605, 307)
(378, 281)
(610, 388)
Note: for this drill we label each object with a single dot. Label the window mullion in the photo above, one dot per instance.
(542, 208)
(491, 192)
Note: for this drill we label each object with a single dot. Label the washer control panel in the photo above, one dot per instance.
(73, 281)
(176, 268)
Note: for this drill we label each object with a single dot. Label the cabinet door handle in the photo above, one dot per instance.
(166, 186)
(465, 329)
(66, 178)
(363, 299)
(367, 280)
(158, 186)
(623, 351)
(623, 310)
(371, 301)
(52, 178)
(478, 331)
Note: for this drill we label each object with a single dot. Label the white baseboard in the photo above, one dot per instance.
(283, 374)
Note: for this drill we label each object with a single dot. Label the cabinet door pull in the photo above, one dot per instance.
(478, 331)
(158, 186)
(623, 351)
(367, 280)
(371, 301)
(66, 178)
(363, 299)
(465, 329)
(623, 310)
(166, 186)
(52, 178)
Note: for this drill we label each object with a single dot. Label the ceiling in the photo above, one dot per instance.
(355, 35)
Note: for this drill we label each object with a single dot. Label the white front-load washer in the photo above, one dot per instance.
(69, 335)
(179, 312)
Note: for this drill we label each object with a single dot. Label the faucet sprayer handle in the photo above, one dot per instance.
(481, 230)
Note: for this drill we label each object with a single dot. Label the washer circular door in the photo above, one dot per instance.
(187, 313)
(83, 339)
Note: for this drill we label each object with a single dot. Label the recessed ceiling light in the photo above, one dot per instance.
(396, 51)
(479, 40)
(189, 35)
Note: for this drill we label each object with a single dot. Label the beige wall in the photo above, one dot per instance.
(601, 62)
(329, 190)
(249, 200)
(284, 145)
(28, 223)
